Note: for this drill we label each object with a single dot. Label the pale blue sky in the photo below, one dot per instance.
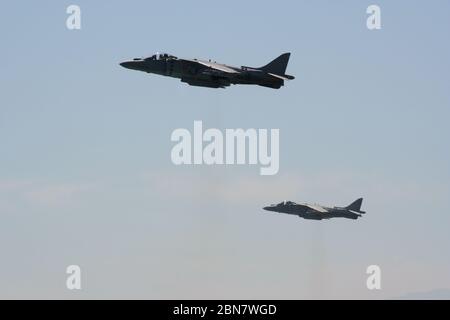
(86, 176)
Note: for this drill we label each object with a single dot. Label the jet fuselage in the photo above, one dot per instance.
(317, 212)
(207, 73)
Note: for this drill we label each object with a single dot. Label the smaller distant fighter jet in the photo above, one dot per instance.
(318, 212)
(202, 73)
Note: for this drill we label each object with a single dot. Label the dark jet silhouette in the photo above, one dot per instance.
(317, 212)
(212, 74)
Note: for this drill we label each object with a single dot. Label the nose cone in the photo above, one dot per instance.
(134, 65)
(127, 64)
(268, 208)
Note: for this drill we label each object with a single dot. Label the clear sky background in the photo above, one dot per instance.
(86, 176)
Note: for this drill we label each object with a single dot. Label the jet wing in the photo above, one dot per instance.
(206, 74)
(316, 208)
(210, 65)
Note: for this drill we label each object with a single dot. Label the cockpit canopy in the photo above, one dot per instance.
(284, 203)
(157, 57)
(161, 56)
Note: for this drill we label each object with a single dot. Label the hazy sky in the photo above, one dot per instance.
(86, 176)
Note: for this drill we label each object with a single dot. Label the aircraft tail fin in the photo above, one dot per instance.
(277, 66)
(356, 206)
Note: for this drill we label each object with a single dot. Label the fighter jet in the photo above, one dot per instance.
(211, 74)
(318, 212)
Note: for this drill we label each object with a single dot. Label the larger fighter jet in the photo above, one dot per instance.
(317, 212)
(212, 74)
